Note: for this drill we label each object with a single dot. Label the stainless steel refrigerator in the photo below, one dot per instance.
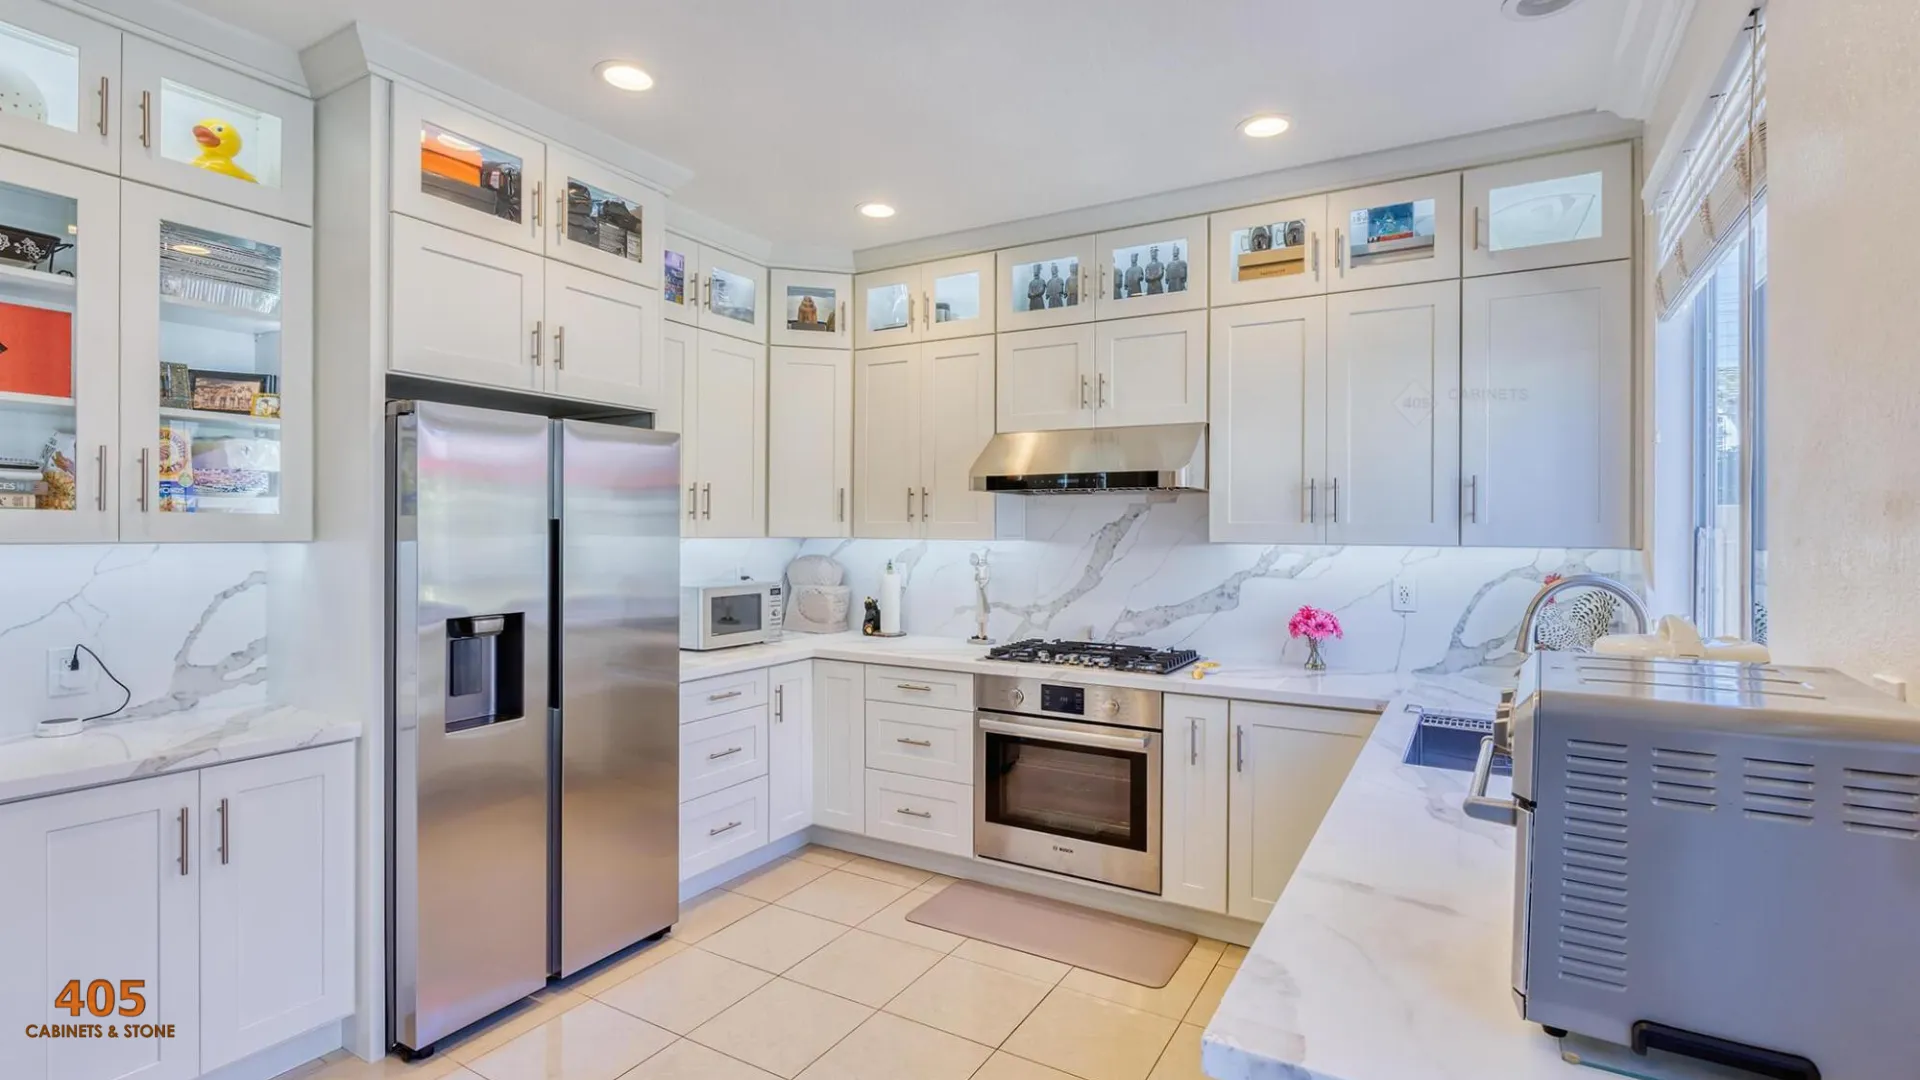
(534, 664)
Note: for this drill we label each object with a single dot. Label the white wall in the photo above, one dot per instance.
(1843, 397)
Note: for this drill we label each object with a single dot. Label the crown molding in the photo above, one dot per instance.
(695, 225)
(1650, 38)
(197, 34)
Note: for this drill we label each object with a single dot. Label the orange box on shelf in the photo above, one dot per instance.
(36, 351)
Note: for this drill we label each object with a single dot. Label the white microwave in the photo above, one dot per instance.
(737, 613)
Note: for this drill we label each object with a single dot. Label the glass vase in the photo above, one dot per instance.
(1314, 662)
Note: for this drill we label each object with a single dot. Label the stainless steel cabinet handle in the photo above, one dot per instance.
(914, 742)
(1476, 227)
(143, 479)
(926, 311)
(535, 216)
(1313, 498)
(779, 704)
(1477, 805)
(1083, 391)
(538, 326)
(1333, 501)
(559, 218)
(693, 501)
(844, 328)
(910, 315)
(723, 697)
(146, 119)
(926, 505)
(1314, 248)
(706, 501)
(184, 840)
(560, 347)
(914, 813)
(1473, 500)
(921, 687)
(1340, 252)
(841, 513)
(226, 846)
(909, 504)
(1239, 749)
(1103, 389)
(1103, 281)
(1193, 741)
(100, 496)
(709, 303)
(728, 752)
(728, 827)
(103, 106)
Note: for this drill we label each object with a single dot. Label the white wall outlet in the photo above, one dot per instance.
(65, 681)
(1405, 596)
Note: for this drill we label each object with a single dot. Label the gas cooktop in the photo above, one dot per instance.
(1094, 654)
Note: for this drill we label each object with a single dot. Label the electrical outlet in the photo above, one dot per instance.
(65, 681)
(1405, 596)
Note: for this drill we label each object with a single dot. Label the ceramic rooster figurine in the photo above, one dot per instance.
(219, 145)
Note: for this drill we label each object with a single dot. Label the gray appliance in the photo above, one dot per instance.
(1718, 860)
(533, 817)
(1157, 457)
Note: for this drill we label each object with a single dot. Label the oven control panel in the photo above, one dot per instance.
(1121, 706)
(1071, 700)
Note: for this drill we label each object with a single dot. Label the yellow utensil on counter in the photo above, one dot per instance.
(1200, 669)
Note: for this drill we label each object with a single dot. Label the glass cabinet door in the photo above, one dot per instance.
(812, 309)
(1557, 210)
(192, 126)
(465, 172)
(59, 387)
(1271, 252)
(1050, 284)
(1153, 268)
(58, 76)
(680, 279)
(886, 307)
(956, 298)
(216, 372)
(1395, 234)
(733, 296)
(601, 220)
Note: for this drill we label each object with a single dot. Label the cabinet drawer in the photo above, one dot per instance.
(725, 694)
(722, 751)
(721, 826)
(932, 814)
(933, 743)
(919, 686)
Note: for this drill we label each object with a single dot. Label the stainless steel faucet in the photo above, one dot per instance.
(1590, 581)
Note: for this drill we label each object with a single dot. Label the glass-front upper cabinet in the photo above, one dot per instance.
(216, 372)
(602, 220)
(1270, 252)
(1395, 234)
(886, 307)
(680, 279)
(465, 172)
(1153, 268)
(58, 76)
(733, 296)
(1557, 210)
(59, 386)
(196, 127)
(956, 298)
(812, 309)
(1048, 284)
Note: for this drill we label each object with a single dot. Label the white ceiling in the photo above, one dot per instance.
(966, 113)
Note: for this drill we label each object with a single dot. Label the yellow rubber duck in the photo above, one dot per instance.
(219, 144)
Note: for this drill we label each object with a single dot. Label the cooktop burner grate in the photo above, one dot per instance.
(1094, 654)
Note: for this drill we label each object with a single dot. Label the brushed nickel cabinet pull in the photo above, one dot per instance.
(100, 496)
(1239, 749)
(1473, 500)
(146, 119)
(1476, 227)
(780, 704)
(926, 311)
(560, 348)
(1313, 497)
(909, 504)
(185, 838)
(693, 501)
(728, 827)
(1333, 501)
(1083, 391)
(559, 218)
(1103, 389)
(921, 687)
(706, 501)
(723, 697)
(1193, 741)
(538, 326)
(910, 311)
(226, 844)
(143, 478)
(926, 505)
(844, 328)
(1340, 252)
(914, 742)
(103, 106)
(534, 217)
(841, 513)
(914, 813)
(728, 752)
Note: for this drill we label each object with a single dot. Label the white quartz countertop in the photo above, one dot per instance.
(1388, 956)
(113, 750)
(1291, 685)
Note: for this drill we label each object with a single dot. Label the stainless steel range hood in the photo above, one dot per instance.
(1167, 457)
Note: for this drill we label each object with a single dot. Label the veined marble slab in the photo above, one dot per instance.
(1388, 956)
(114, 750)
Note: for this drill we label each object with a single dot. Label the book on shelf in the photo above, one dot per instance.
(18, 501)
(23, 485)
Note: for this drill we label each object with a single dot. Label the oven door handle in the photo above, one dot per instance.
(1137, 744)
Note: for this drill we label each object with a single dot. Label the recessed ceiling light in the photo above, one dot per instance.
(193, 249)
(624, 75)
(876, 209)
(1264, 126)
(1534, 9)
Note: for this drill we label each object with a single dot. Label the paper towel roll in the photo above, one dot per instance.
(889, 601)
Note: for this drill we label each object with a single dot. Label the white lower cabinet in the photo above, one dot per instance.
(790, 751)
(724, 825)
(220, 902)
(922, 813)
(1193, 817)
(839, 745)
(1288, 764)
(920, 741)
(809, 442)
(721, 751)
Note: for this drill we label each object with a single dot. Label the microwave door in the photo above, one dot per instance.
(737, 615)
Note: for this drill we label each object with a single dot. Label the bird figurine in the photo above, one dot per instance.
(219, 145)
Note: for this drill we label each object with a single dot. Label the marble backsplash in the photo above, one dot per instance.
(1137, 567)
(180, 624)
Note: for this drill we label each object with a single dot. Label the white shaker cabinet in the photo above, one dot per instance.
(276, 899)
(603, 338)
(463, 171)
(886, 442)
(102, 884)
(809, 442)
(1271, 252)
(1288, 764)
(1050, 284)
(1556, 210)
(466, 309)
(1193, 832)
(1044, 379)
(601, 220)
(733, 296)
(76, 63)
(1393, 416)
(790, 750)
(680, 279)
(811, 309)
(840, 745)
(922, 414)
(1546, 430)
(1268, 408)
(724, 444)
(1153, 269)
(1398, 233)
(930, 302)
(1151, 371)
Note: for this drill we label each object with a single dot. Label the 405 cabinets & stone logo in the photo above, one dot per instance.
(103, 1000)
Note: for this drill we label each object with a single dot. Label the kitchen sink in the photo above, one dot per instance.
(1445, 741)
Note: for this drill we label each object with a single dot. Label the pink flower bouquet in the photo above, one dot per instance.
(1316, 626)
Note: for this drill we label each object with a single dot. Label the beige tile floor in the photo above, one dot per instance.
(808, 969)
